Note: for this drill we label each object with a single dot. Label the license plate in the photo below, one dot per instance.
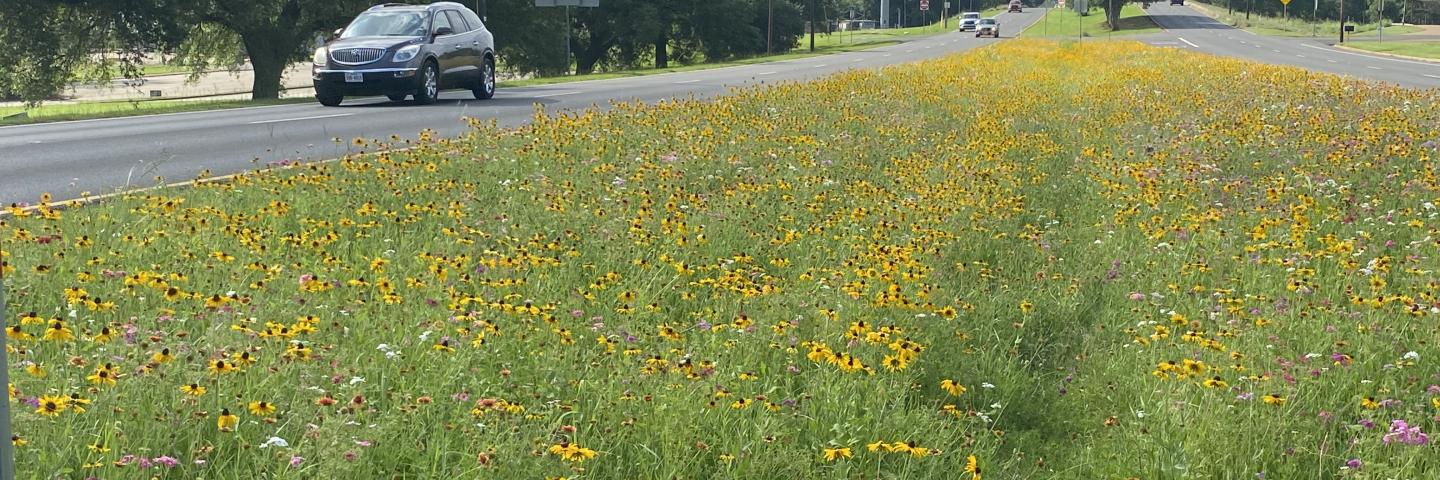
(354, 77)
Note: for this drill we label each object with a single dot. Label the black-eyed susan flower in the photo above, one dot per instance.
(261, 408)
(221, 366)
(972, 467)
(193, 389)
(104, 375)
(833, 454)
(227, 421)
(51, 405)
(952, 387)
(17, 333)
(572, 452)
(57, 331)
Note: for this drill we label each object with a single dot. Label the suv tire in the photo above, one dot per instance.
(427, 89)
(486, 89)
(328, 99)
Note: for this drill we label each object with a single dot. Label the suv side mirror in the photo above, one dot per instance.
(442, 31)
(336, 33)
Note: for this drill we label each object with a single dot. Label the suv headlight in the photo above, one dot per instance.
(321, 56)
(407, 53)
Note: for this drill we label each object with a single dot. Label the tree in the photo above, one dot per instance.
(274, 33)
(46, 44)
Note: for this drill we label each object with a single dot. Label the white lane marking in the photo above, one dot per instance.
(1274, 50)
(1431, 76)
(1428, 64)
(817, 66)
(885, 55)
(142, 117)
(765, 73)
(688, 81)
(1299, 55)
(557, 94)
(1373, 68)
(1329, 60)
(302, 118)
(1187, 42)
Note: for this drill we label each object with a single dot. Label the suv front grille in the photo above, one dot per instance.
(357, 56)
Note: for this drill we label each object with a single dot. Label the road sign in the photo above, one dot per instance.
(924, 5)
(1285, 2)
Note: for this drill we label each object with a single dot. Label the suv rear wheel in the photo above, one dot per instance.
(486, 89)
(428, 89)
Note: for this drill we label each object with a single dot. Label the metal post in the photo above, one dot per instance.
(812, 25)
(7, 455)
(1342, 21)
(1381, 27)
(769, 26)
(567, 39)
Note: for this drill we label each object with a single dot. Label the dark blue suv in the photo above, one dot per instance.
(401, 50)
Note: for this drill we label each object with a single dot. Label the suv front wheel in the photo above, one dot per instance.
(328, 99)
(428, 88)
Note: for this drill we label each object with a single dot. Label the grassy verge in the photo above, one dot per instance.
(824, 44)
(1148, 271)
(1294, 26)
(58, 112)
(836, 42)
(1065, 23)
(1412, 49)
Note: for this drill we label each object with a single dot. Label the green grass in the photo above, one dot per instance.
(836, 42)
(1295, 26)
(830, 46)
(1065, 23)
(58, 112)
(1412, 49)
(824, 44)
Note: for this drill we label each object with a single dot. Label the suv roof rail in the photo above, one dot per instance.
(383, 5)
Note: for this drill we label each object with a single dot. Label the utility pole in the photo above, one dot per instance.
(769, 26)
(812, 25)
(1381, 27)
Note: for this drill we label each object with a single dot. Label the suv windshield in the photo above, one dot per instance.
(988, 21)
(970, 15)
(407, 23)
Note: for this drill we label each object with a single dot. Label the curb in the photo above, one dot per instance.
(1383, 54)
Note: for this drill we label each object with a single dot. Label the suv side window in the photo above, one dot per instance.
(457, 21)
(475, 23)
(442, 21)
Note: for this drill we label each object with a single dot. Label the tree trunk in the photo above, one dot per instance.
(662, 51)
(268, 65)
(586, 58)
(1112, 14)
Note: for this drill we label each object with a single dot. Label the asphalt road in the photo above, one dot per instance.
(1187, 28)
(73, 159)
(92, 157)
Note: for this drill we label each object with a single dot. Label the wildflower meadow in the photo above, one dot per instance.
(1034, 260)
